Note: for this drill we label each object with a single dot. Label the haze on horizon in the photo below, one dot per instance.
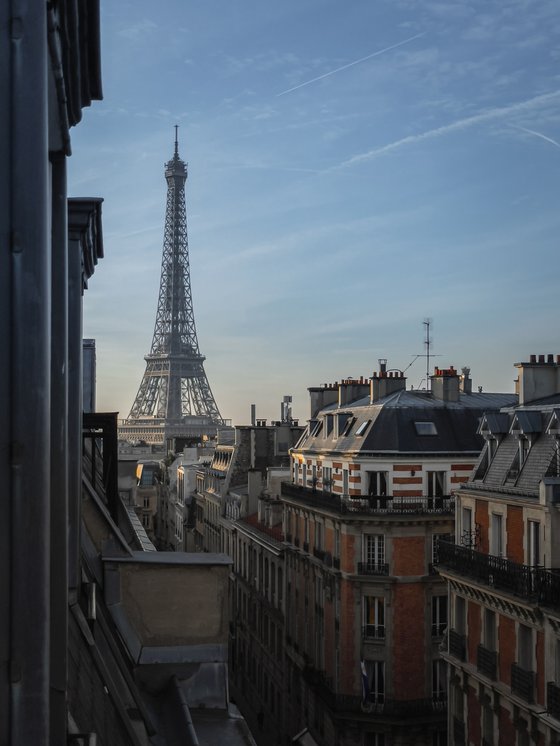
(353, 169)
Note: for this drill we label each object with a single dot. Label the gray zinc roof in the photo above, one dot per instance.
(393, 426)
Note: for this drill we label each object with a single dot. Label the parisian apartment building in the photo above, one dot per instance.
(503, 574)
(338, 612)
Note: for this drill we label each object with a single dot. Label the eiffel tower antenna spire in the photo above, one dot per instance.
(174, 398)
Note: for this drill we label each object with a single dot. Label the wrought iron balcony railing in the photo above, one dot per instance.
(523, 683)
(487, 662)
(368, 504)
(373, 632)
(553, 699)
(373, 568)
(376, 704)
(457, 645)
(535, 584)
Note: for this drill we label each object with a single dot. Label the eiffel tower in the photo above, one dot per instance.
(174, 399)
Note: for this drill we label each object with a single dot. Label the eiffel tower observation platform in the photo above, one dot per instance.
(174, 399)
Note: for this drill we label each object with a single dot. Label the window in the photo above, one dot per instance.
(327, 478)
(439, 615)
(328, 425)
(296, 472)
(345, 481)
(374, 549)
(377, 483)
(496, 535)
(349, 426)
(533, 543)
(363, 427)
(525, 647)
(425, 428)
(466, 537)
(460, 615)
(374, 617)
(374, 685)
(304, 475)
(439, 680)
(435, 540)
(436, 483)
(487, 724)
(318, 535)
(337, 542)
(316, 429)
(489, 630)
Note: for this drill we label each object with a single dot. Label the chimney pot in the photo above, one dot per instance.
(550, 359)
(532, 358)
(541, 358)
(557, 359)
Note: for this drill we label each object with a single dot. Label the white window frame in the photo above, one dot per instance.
(373, 549)
(374, 621)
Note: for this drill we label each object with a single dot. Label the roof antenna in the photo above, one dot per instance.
(176, 141)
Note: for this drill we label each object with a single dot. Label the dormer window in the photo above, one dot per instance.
(349, 426)
(486, 459)
(523, 448)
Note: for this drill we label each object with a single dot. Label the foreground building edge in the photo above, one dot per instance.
(88, 652)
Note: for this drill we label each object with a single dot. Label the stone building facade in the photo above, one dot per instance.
(369, 499)
(503, 646)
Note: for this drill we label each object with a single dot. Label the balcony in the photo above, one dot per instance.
(376, 704)
(369, 504)
(523, 683)
(457, 645)
(534, 584)
(553, 699)
(487, 662)
(373, 568)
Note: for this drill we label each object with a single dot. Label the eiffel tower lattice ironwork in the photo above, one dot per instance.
(174, 398)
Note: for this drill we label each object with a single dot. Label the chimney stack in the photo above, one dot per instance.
(382, 384)
(538, 380)
(351, 389)
(321, 396)
(445, 384)
(465, 384)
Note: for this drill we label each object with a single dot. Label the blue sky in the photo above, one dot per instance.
(354, 167)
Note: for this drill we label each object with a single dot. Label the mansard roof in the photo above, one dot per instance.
(411, 422)
(518, 468)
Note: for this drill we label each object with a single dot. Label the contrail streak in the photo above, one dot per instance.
(536, 134)
(350, 64)
(461, 124)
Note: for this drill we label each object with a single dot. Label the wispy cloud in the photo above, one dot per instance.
(138, 30)
(536, 134)
(351, 64)
(461, 124)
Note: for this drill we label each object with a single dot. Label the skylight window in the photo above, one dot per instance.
(425, 428)
(363, 427)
